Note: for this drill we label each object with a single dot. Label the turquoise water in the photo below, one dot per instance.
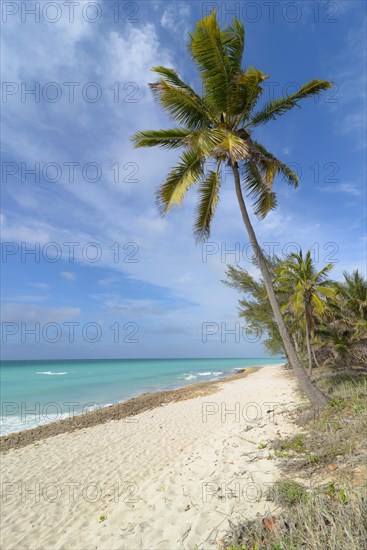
(38, 392)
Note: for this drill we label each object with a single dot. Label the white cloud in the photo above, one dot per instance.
(33, 231)
(132, 54)
(185, 278)
(108, 281)
(175, 18)
(68, 275)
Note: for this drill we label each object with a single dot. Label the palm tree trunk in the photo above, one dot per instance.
(314, 356)
(309, 354)
(296, 345)
(316, 397)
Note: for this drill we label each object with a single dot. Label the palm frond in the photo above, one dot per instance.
(183, 106)
(171, 76)
(264, 197)
(233, 39)
(268, 161)
(245, 92)
(281, 105)
(167, 139)
(209, 195)
(179, 180)
(207, 142)
(326, 291)
(320, 276)
(319, 305)
(234, 147)
(208, 51)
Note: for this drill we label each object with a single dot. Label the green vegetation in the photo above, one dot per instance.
(289, 493)
(308, 290)
(326, 319)
(312, 520)
(317, 512)
(294, 443)
(255, 308)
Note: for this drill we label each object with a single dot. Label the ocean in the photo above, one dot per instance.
(38, 392)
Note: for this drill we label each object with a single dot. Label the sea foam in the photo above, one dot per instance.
(50, 373)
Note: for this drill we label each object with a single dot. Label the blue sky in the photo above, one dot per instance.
(127, 267)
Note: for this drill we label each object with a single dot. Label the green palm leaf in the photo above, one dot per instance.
(179, 180)
(208, 142)
(245, 92)
(209, 195)
(233, 147)
(209, 52)
(319, 305)
(267, 161)
(233, 39)
(167, 139)
(183, 106)
(281, 105)
(265, 198)
(326, 291)
(171, 76)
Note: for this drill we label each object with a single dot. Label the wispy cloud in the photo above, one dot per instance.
(24, 298)
(350, 78)
(348, 188)
(175, 18)
(26, 313)
(68, 275)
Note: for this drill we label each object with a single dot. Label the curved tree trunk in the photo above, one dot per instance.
(309, 354)
(313, 393)
(296, 345)
(314, 356)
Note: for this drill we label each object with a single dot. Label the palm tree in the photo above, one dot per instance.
(309, 290)
(345, 327)
(217, 126)
(254, 306)
(353, 293)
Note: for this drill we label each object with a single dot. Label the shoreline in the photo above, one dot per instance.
(174, 476)
(119, 411)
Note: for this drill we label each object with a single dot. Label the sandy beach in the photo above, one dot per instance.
(169, 477)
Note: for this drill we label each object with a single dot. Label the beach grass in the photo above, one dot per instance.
(326, 508)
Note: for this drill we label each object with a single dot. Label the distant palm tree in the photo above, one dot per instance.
(309, 290)
(217, 125)
(353, 292)
(345, 327)
(254, 305)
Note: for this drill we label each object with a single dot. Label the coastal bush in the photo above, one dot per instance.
(289, 492)
(294, 443)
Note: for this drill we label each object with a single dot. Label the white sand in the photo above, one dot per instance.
(164, 479)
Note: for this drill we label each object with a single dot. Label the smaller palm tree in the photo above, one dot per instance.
(309, 290)
(353, 293)
(344, 328)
